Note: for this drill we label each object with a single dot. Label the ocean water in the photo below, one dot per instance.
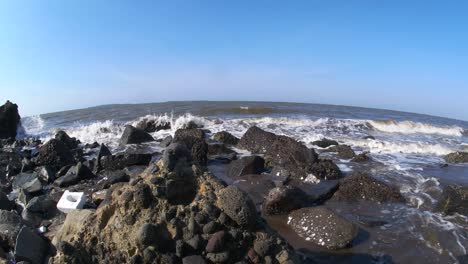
(407, 152)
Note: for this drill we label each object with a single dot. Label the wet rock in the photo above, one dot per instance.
(226, 138)
(55, 154)
(151, 126)
(363, 157)
(323, 227)
(30, 247)
(245, 166)
(343, 151)
(10, 225)
(9, 120)
(216, 242)
(92, 145)
(454, 200)
(5, 203)
(219, 149)
(326, 169)
(123, 160)
(74, 175)
(238, 206)
(281, 176)
(325, 143)
(166, 141)
(282, 200)
(132, 135)
(194, 140)
(71, 143)
(27, 181)
(361, 186)
(322, 191)
(196, 259)
(456, 157)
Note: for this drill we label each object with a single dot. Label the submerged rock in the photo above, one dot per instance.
(323, 227)
(226, 138)
(55, 154)
(245, 166)
(238, 206)
(454, 200)
(282, 200)
(361, 186)
(325, 143)
(9, 120)
(132, 135)
(457, 157)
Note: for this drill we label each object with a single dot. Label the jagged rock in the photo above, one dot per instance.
(325, 143)
(226, 138)
(74, 224)
(454, 200)
(282, 200)
(10, 164)
(9, 120)
(55, 154)
(456, 157)
(10, 225)
(194, 140)
(281, 176)
(326, 169)
(238, 206)
(363, 157)
(41, 205)
(27, 181)
(257, 140)
(74, 175)
(132, 135)
(71, 143)
(361, 186)
(174, 154)
(151, 126)
(323, 227)
(103, 151)
(5, 203)
(30, 247)
(245, 166)
(123, 160)
(343, 151)
(113, 177)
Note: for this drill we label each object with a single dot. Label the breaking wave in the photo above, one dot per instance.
(410, 127)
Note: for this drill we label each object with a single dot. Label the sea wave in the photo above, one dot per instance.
(380, 146)
(410, 127)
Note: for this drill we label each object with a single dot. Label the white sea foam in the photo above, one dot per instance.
(107, 132)
(380, 146)
(410, 127)
(32, 126)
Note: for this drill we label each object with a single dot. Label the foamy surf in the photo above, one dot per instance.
(410, 127)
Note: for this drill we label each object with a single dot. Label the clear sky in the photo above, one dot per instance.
(402, 55)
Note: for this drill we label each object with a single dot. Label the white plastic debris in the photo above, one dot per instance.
(71, 201)
(42, 229)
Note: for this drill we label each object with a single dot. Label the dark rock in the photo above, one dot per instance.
(216, 242)
(9, 120)
(10, 225)
(103, 151)
(326, 169)
(30, 247)
(323, 227)
(176, 153)
(454, 200)
(245, 166)
(257, 140)
(143, 196)
(27, 181)
(194, 140)
(238, 206)
(166, 141)
(210, 227)
(226, 138)
(322, 191)
(55, 154)
(196, 259)
(5, 203)
(222, 257)
(369, 137)
(283, 200)
(92, 145)
(369, 221)
(70, 142)
(41, 205)
(132, 135)
(263, 247)
(343, 151)
(154, 235)
(457, 157)
(151, 126)
(219, 149)
(65, 247)
(253, 256)
(46, 174)
(123, 160)
(181, 190)
(114, 177)
(23, 197)
(74, 175)
(363, 157)
(10, 164)
(63, 171)
(281, 176)
(361, 186)
(27, 165)
(325, 143)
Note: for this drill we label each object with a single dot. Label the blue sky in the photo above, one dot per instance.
(402, 55)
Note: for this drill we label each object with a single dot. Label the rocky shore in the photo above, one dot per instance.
(169, 207)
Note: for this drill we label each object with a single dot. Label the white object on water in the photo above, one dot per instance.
(42, 229)
(71, 201)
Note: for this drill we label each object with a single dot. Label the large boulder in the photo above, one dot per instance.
(123, 160)
(282, 200)
(132, 135)
(151, 126)
(343, 151)
(71, 143)
(30, 247)
(361, 186)
(174, 154)
(238, 206)
(454, 200)
(9, 120)
(74, 175)
(55, 154)
(245, 166)
(27, 181)
(103, 151)
(456, 157)
(226, 138)
(325, 169)
(194, 140)
(257, 140)
(323, 227)
(10, 225)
